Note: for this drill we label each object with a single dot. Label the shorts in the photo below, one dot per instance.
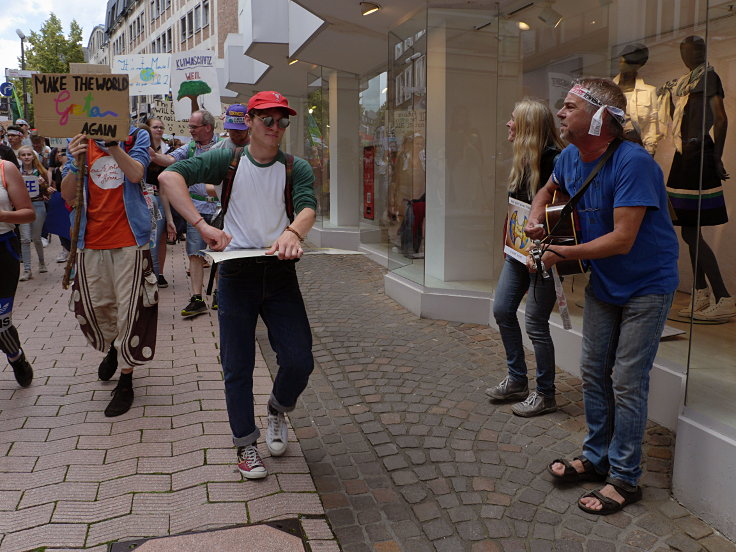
(195, 242)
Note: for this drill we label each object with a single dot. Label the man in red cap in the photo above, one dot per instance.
(271, 205)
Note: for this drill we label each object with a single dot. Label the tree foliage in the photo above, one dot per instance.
(49, 51)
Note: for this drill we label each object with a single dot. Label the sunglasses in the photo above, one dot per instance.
(269, 121)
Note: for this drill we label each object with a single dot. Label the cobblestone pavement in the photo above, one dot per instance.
(72, 479)
(397, 442)
(407, 453)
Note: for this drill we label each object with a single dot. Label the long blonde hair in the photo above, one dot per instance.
(535, 130)
(35, 163)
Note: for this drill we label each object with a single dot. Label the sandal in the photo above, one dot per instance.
(571, 475)
(608, 505)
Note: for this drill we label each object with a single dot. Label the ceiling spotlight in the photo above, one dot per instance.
(367, 8)
(550, 16)
(523, 26)
(293, 61)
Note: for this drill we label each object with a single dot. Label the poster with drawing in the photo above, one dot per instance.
(194, 83)
(147, 73)
(517, 243)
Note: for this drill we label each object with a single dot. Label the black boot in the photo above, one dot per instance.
(109, 365)
(22, 370)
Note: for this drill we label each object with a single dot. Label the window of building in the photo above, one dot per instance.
(169, 44)
(183, 28)
(197, 18)
(205, 13)
(190, 23)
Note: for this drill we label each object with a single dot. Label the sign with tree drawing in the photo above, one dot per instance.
(194, 83)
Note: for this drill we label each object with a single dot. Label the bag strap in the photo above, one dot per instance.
(191, 149)
(289, 187)
(227, 182)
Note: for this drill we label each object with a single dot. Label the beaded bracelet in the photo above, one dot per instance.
(298, 235)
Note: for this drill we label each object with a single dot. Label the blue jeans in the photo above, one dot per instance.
(619, 346)
(269, 288)
(195, 241)
(513, 283)
(31, 233)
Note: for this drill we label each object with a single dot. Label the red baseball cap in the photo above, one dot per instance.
(267, 100)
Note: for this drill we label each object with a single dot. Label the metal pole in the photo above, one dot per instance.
(23, 67)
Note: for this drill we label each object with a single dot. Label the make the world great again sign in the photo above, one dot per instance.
(69, 104)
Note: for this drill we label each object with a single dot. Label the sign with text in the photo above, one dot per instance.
(164, 110)
(194, 83)
(69, 104)
(148, 73)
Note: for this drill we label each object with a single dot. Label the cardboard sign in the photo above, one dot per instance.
(89, 68)
(517, 243)
(68, 104)
(164, 110)
(194, 83)
(148, 73)
(32, 185)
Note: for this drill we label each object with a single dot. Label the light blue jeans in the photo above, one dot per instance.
(513, 283)
(31, 232)
(619, 346)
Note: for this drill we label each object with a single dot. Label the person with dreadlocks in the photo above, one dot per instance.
(628, 239)
(536, 145)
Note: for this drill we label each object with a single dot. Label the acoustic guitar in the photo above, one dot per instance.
(562, 231)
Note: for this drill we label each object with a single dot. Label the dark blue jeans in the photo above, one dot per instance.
(514, 282)
(269, 288)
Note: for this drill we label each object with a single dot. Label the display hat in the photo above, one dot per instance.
(235, 117)
(267, 100)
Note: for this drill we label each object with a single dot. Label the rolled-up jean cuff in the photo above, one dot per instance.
(278, 407)
(248, 440)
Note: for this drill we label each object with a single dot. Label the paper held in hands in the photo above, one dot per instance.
(219, 256)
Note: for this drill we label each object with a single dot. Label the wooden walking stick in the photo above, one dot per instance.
(79, 205)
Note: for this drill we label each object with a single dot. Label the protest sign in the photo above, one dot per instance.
(147, 73)
(164, 110)
(89, 68)
(69, 104)
(517, 243)
(194, 83)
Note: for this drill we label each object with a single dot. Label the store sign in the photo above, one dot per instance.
(369, 197)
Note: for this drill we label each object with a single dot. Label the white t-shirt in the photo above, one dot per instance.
(5, 204)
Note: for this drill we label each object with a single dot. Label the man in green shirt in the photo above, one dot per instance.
(266, 209)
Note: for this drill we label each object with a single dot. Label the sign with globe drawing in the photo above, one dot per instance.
(148, 73)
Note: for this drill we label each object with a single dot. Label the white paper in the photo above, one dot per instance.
(219, 256)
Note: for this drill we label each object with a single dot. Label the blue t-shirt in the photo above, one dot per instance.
(631, 178)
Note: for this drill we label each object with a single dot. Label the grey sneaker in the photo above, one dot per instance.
(534, 405)
(509, 390)
(277, 437)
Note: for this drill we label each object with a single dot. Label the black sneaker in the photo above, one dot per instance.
(122, 400)
(196, 306)
(162, 283)
(508, 390)
(214, 300)
(23, 370)
(109, 365)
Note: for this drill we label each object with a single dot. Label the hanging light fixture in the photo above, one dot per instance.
(367, 8)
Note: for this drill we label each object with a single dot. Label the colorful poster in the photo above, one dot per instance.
(517, 243)
(368, 182)
(147, 73)
(194, 83)
(70, 104)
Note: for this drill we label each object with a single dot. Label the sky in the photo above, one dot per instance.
(29, 15)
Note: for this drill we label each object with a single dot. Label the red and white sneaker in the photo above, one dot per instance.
(250, 463)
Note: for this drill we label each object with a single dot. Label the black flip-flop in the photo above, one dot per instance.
(609, 505)
(571, 475)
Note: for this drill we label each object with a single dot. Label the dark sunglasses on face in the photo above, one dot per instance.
(268, 121)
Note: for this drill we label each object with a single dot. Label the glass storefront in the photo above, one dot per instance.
(435, 155)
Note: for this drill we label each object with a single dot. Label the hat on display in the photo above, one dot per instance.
(235, 117)
(268, 100)
(22, 122)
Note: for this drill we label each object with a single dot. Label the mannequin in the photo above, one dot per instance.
(683, 100)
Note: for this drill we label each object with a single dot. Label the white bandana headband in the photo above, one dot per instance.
(597, 122)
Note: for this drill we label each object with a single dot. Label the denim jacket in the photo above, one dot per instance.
(139, 217)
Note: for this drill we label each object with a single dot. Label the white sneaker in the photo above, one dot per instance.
(277, 434)
(699, 301)
(63, 256)
(27, 275)
(724, 309)
(42, 268)
(250, 464)
(44, 242)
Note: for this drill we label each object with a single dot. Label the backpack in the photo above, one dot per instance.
(227, 184)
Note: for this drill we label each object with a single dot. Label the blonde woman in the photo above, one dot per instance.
(35, 175)
(536, 144)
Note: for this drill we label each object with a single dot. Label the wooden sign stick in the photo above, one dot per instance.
(79, 205)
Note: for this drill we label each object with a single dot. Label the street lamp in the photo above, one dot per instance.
(23, 67)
